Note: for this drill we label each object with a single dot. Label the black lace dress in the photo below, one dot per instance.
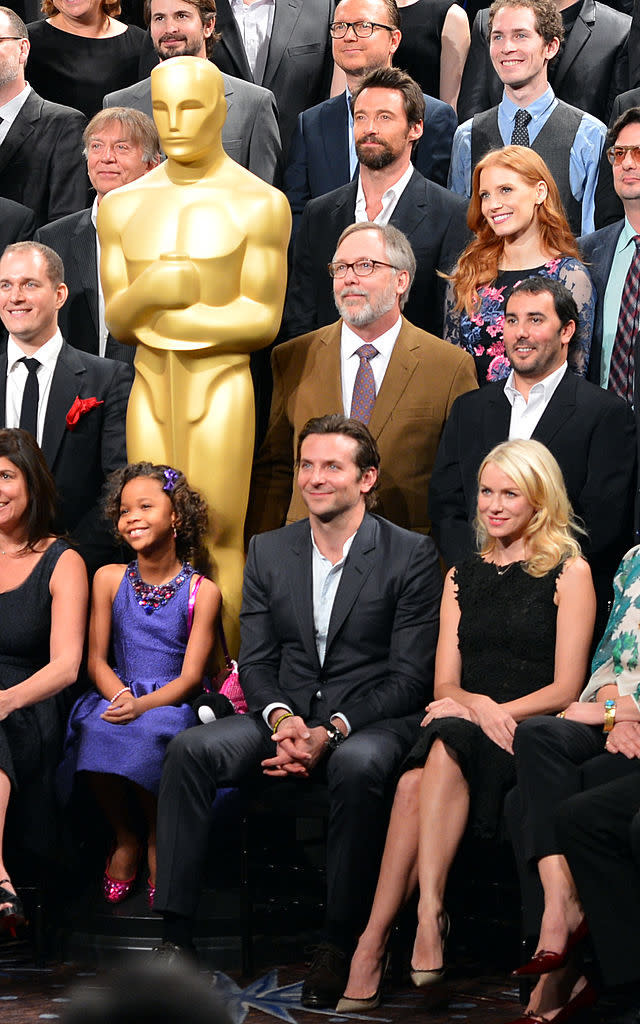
(507, 637)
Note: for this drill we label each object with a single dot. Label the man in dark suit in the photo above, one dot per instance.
(73, 403)
(250, 134)
(17, 223)
(388, 118)
(338, 631)
(322, 155)
(120, 145)
(589, 431)
(609, 208)
(292, 57)
(590, 71)
(319, 373)
(40, 142)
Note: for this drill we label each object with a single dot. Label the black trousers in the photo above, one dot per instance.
(360, 776)
(599, 832)
(556, 759)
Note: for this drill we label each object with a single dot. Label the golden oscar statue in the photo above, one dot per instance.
(193, 268)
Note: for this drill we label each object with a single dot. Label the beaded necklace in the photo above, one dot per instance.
(150, 596)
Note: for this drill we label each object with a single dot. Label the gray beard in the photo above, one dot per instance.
(369, 312)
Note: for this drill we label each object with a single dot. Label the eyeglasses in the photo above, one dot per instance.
(362, 29)
(362, 268)
(616, 154)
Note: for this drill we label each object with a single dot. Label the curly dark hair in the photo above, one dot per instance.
(192, 515)
(20, 448)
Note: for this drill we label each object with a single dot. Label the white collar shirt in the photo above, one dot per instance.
(17, 373)
(350, 361)
(255, 22)
(390, 199)
(526, 413)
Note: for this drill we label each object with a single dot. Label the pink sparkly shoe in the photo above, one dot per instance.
(151, 893)
(115, 890)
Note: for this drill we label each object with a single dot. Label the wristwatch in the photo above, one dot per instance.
(334, 736)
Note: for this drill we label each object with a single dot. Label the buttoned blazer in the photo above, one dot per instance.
(41, 162)
(591, 432)
(382, 632)
(74, 239)
(81, 459)
(424, 377)
(319, 154)
(591, 70)
(250, 133)
(435, 223)
(299, 62)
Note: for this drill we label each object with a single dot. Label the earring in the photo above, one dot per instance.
(175, 533)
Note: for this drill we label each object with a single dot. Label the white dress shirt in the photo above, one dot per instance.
(17, 373)
(349, 361)
(103, 332)
(255, 22)
(390, 199)
(526, 413)
(10, 111)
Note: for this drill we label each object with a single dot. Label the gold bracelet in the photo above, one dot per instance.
(287, 714)
(609, 715)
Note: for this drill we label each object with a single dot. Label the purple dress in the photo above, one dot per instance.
(149, 637)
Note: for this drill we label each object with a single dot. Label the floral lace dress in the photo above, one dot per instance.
(480, 333)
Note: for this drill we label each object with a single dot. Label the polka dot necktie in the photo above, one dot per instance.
(364, 388)
(30, 397)
(621, 370)
(520, 136)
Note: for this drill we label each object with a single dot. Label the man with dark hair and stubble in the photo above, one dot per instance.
(338, 631)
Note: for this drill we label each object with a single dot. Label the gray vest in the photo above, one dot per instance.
(553, 143)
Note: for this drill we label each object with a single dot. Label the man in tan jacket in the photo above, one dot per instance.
(372, 364)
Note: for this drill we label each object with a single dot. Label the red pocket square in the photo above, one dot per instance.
(79, 408)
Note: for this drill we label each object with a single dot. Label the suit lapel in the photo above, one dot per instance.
(498, 417)
(65, 387)
(286, 15)
(301, 584)
(329, 367)
(558, 411)
(334, 134)
(412, 205)
(232, 40)
(357, 567)
(84, 254)
(579, 35)
(21, 129)
(401, 368)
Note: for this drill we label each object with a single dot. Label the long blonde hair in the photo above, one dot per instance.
(478, 264)
(549, 534)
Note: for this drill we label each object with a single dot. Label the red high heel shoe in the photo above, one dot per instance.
(544, 961)
(115, 890)
(585, 998)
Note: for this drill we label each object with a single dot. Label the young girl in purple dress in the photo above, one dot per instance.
(161, 637)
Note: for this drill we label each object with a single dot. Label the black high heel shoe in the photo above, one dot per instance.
(12, 916)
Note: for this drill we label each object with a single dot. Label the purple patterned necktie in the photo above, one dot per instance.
(364, 388)
(621, 370)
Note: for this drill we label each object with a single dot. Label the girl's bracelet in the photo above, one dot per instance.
(116, 695)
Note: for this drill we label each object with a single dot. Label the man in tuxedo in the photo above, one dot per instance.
(338, 632)
(73, 403)
(592, 67)
(284, 46)
(120, 145)
(523, 40)
(186, 28)
(40, 142)
(373, 270)
(323, 155)
(590, 432)
(388, 111)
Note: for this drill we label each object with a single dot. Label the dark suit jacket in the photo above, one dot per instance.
(382, 632)
(74, 239)
(591, 432)
(299, 63)
(41, 162)
(609, 207)
(319, 154)
(250, 134)
(432, 218)
(81, 459)
(598, 249)
(17, 223)
(408, 417)
(589, 72)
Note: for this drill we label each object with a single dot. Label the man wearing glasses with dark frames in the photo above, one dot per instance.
(413, 380)
(365, 36)
(613, 257)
